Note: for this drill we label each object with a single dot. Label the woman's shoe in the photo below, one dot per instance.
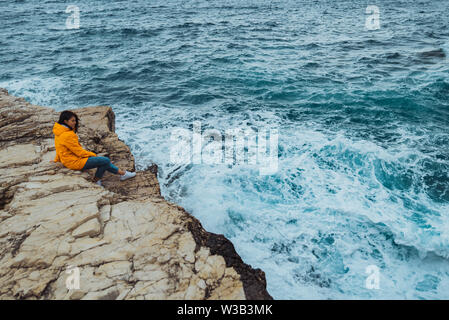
(99, 183)
(127, 175)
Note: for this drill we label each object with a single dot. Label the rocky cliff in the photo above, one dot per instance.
(126, 240)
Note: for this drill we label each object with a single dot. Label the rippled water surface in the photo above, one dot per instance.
(363, 119)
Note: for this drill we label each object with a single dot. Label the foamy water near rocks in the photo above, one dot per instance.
(127, 241)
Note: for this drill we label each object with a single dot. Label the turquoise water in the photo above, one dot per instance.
(363, 118)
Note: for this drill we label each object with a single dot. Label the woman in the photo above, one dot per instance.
(73, 156)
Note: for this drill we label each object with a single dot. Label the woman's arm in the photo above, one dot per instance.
(72, 143)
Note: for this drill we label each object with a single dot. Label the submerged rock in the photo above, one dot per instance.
(126, 240)
(437, 53)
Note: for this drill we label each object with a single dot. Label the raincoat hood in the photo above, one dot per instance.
(59, 129)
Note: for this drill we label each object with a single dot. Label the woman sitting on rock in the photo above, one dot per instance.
(73, 156)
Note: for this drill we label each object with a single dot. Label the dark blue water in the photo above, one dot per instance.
(363, 118)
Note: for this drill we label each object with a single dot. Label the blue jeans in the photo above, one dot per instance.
(102, 163)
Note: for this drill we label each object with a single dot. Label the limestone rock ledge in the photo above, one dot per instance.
(126, 240)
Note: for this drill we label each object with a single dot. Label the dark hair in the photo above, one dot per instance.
(67, 115)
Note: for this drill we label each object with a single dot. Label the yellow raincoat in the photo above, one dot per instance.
(68, 148)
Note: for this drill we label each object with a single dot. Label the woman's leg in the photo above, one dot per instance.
(112, 168)
(102, 164)
(100, 172)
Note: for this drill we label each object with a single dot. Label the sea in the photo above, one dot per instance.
(355, 93)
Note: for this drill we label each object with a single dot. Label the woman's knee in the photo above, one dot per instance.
(104, 161)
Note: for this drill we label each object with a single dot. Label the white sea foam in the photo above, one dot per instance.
(40, 91)
(316, 224)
